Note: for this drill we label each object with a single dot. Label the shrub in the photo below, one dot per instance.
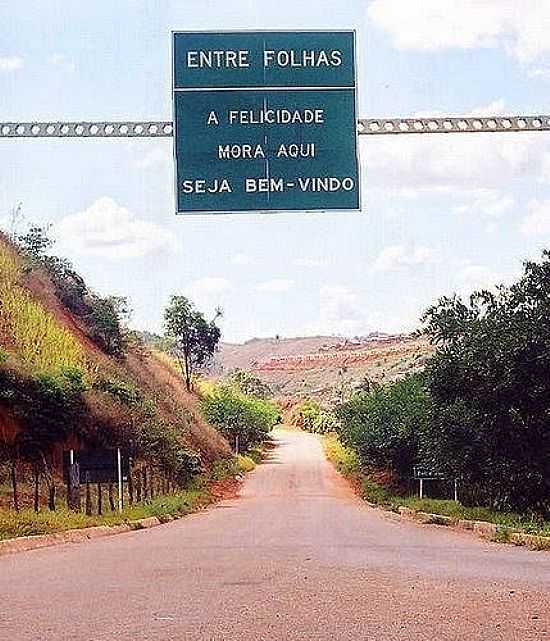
(160, 442)
(250, 384)
(104, 320)
(126, 393)
(310, 416)
(237, 415)
(385, 425)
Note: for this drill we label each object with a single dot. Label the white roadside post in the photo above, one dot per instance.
(456, 490)
(421, 488)
(119, 470)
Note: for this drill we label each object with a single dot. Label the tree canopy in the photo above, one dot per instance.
(490, 386)
(194, 338)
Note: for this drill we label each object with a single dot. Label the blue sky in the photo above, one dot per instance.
(440, 213)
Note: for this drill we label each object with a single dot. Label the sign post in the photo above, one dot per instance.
(427, 474)
(265, 121)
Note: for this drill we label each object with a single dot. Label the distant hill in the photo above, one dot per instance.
(323, 366)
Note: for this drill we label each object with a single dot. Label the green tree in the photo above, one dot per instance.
(491, 391)
(194, 338)
(35, 243)
(385, 425)
(250, 384)
(240, 416)
(105, 320)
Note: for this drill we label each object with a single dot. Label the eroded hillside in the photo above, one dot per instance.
(324, 367)
(72, 377)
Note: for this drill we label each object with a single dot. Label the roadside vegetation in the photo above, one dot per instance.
(245, 418)
(198, 495)
(372, 485)
(309, 415)
(479, 412)
(73, 376)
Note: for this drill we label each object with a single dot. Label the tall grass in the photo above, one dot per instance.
(30, 330)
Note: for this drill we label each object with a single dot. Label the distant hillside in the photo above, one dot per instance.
(323, 366)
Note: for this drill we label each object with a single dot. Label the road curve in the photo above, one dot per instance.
(297, 556)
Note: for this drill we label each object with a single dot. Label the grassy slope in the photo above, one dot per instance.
(38, 335)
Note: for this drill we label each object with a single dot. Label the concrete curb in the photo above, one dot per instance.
(530, 540)
(26, 543)
(483, 529)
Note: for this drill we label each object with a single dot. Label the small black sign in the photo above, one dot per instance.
(427, 474)
(99, 466)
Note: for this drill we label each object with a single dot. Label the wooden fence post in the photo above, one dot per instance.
(73, 487)
(99, 499)
(88, 496)
(13, 474)
(36, 478)
(130, 483)
(111, 497)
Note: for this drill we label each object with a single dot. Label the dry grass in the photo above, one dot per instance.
(28, 328)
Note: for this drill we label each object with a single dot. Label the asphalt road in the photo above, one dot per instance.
(297, 556)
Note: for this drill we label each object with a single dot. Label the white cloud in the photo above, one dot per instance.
(540, 72)
(307, 262)
(473, 277)
(275, 285)
(520, 27)
(242, 259)
(397, 257)
(212, 285)
(537, 221)
(487, 203)
(109, 230)
(61, 61)
(10, 63)
(495, 108)
(153, 157)
(461, 164)
(339, 308)
(343, 312)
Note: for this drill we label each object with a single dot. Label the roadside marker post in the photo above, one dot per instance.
(119, 473)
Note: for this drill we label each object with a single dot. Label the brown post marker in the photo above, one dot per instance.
(138, 486)
(13, 474)
(111, 497)
(99, 499)
(88, 496)
(36, 477)
(130, 483)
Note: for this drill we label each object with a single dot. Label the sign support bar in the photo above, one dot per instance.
(365, 127)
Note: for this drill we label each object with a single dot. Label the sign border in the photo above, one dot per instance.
(263, 212)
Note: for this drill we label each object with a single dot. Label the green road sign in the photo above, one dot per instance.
(265, 121)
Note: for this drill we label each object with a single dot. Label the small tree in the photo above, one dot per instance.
(35, 242)
(251, 384)
(105, 321)
(194, 338)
